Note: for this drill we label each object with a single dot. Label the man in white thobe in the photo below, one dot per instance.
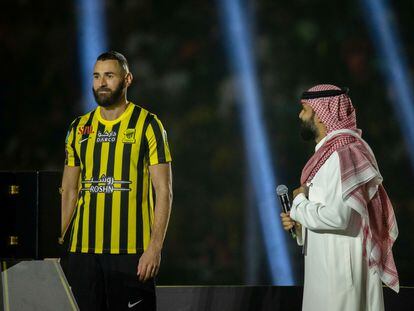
(339, 211)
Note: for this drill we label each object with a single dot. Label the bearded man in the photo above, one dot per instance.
(341, 212)
(117, 160)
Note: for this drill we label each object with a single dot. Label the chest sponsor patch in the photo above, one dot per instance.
(106, 137)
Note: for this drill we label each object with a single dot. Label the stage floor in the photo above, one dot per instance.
(254, 298)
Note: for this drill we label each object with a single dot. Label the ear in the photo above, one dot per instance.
(316, 120)
(128, 79)
(319, 124)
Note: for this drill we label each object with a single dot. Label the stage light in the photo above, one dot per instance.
(239, 47)
(92, 42)
(386, 39)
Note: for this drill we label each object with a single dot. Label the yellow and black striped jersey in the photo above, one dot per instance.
(115, 207)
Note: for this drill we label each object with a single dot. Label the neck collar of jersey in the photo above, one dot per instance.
(127, 112)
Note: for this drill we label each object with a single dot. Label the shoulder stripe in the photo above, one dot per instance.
(159, 139)
(73, 143)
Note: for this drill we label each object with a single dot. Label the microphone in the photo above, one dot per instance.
(282, 192)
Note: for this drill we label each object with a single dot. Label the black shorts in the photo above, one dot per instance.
(109, 282)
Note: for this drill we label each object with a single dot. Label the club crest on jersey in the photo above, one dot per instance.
(106, 137)
(129, 136)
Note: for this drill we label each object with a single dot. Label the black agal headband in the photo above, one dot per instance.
(327, 93)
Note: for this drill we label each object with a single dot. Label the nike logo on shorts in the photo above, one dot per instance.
(131, 305)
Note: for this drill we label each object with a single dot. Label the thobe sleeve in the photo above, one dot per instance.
(300, 236)
(330, 214)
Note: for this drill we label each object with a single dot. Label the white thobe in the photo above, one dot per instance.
(337, 277)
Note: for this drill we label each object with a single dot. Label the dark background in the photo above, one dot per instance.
(177, 54)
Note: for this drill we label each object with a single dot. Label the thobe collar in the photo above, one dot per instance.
(333, 133)
(318, 145)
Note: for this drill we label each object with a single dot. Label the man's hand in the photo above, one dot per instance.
(149, 264)
(288, 223)
(301, 189)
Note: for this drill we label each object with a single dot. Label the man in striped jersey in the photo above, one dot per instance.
(117, 160)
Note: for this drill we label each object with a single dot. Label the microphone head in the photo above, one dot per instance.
(281, 190)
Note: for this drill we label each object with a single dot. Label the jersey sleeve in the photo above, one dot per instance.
(72, 158)
(157, 143)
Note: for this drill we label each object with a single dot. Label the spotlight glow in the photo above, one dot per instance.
(92, 42)
(388, 43)
(239, 47)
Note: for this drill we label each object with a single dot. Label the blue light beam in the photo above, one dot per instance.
(395, 67)
(92, 42)
(239, 44)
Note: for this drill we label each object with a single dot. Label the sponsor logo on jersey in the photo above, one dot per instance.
(106, 137)
(129, 136)
(84, 139)
(85, 130)
(105, 184)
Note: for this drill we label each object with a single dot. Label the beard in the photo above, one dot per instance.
(308, 130)
(109, 99)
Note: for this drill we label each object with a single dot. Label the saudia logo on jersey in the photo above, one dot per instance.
(106, 137)
(105, 184)
(85, 130)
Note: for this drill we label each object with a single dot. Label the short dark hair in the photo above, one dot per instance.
(122, 61)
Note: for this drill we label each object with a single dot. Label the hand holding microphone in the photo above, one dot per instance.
(287, 222)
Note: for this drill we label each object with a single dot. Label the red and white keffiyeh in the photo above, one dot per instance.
(336, 112)
(361, 180)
